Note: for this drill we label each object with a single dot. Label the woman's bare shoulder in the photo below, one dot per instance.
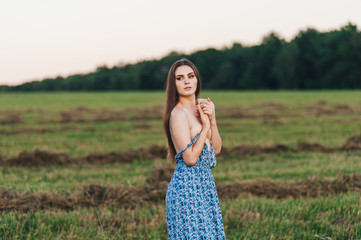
(178, 112)
(179, 128)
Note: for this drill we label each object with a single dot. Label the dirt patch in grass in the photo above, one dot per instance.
(2, 159)
(106, 115)
(323, 108)
(11, 118)
(11, 200)
(310, 187)
(26, 130)
(353, 143)
(272, 121)
(38, 157)
(147, 113)
(246, 150)
(153, 152)
(269, 112)
(273, 106)
(314, 147)
(161, 174)
(142, 126)
(74, 114)
(83, 114)
(124, 196)
(112, 157)
(44, 130)
(93, 195)
(348, 120)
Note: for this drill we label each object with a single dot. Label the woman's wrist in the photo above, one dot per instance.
(206, 127)
(213, 121)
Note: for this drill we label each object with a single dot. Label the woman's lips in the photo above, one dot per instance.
(188, 88)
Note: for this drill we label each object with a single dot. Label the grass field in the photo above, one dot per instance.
(293, 150)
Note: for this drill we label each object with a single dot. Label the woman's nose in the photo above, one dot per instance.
(186, 80)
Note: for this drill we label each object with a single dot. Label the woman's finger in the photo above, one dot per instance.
(205, 103)
(200, 110)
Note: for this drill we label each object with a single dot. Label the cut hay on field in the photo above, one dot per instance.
(11, 118)
(38, 157)
(353, 143)
(93, 195)
(268, 112)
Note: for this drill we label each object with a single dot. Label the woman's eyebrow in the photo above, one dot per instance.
(180, 75)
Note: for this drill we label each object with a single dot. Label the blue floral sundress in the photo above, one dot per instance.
(192, 205)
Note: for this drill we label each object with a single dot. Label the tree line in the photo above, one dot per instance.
(311, 60)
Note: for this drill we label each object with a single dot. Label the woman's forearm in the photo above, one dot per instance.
(216, 138)
(191, 157)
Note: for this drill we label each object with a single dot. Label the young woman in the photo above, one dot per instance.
(192, 205)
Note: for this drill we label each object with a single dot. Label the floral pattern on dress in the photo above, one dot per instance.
(192, 205)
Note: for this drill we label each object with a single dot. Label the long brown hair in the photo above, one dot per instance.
(171, 100)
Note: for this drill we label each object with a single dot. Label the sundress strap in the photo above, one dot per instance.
(179, 154)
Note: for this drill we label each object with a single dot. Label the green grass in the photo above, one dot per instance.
(279, 167)
(245, 217)
(288, 166)
(118, 100)
(330, 130)
(263, 218)
(65, 179)
(120, 136)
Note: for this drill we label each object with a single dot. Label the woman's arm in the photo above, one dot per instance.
(216, 138)
(180, 132)
(209, 109)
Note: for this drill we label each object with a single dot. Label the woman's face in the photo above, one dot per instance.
(185, 80)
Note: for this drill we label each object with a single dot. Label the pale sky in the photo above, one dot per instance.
(42, 38)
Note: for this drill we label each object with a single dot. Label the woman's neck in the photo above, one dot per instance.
(187, 102)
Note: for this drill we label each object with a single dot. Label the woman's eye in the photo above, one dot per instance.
(178, 78)
(191, 76)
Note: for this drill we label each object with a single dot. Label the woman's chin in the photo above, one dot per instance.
(187, 94)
